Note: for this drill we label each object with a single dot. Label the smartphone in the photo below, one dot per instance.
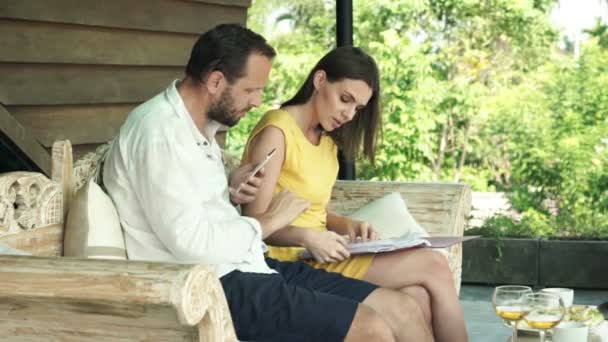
(260, 166)
(263, 162)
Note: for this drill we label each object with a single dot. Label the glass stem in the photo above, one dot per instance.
(514, 333)
(541, 334)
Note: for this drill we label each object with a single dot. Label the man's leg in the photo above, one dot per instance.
(422, 297)
(368, 325)
(264, 307)
(397, 310)
(402, 314)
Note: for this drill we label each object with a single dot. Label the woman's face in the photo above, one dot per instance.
(337, 103)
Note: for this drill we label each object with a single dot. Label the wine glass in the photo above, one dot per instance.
(508, 304)
(545, 310)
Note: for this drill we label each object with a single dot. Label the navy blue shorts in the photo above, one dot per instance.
(300, 303)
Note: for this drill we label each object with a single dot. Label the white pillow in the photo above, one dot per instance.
(93, 227)
(389, 217)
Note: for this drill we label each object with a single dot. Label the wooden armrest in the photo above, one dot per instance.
(99, 300)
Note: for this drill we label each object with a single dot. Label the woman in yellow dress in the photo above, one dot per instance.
(338, 107)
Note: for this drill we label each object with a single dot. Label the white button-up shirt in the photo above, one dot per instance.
(170, 189)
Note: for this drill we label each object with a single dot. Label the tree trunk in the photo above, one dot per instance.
(463, 153)
(438, 163)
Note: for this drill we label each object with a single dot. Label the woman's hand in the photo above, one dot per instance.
(327, 246)
(360, 231)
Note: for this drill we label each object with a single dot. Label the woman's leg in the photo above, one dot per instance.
(429, 270)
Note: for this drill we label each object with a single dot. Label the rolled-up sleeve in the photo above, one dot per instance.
(194, 225)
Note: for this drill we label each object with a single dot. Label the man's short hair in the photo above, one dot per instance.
(226, 48)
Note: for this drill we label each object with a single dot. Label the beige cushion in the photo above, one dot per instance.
(389, 217)
(93, 228)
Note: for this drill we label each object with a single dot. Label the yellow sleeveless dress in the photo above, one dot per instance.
(310, 172)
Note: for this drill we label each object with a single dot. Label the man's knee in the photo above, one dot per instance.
(422, 297)
(397, 308)
(405, 308)
(418, 292)
(368, 325)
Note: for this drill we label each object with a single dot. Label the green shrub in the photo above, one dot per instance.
(474, 92)
(531, 224)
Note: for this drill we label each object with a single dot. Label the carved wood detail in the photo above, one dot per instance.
(28, 200)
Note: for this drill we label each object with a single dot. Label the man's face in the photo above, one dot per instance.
(242, 95)
(223, 110)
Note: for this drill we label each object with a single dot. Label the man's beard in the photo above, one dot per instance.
(223, 110)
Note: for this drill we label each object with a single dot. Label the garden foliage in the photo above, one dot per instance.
(473, 91)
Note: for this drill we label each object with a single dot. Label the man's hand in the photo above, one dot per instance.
(359, 231)
(282, 210)
(327, 246)
(243, 185)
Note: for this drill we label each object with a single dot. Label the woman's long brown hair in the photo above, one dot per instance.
(361, 133)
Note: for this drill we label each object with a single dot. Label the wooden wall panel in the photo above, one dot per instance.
(73, 69)
(36, 42)
(244, 3)
(50, 123)
(24, 141)
(152, 15)
(45, 84)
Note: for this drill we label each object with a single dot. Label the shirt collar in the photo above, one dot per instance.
(182, 112)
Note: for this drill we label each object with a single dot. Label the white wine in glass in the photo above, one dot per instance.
(508, 304)
(545, 311)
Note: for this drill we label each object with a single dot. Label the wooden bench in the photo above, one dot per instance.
(46, 296)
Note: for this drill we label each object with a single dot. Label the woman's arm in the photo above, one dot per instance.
(337, 223)
(269, 138)
(324, 246)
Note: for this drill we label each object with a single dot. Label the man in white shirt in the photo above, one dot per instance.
(165, 174)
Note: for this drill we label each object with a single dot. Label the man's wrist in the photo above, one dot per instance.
(267, 225)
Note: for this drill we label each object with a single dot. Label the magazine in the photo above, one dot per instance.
(402, 242)
(391, 219)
